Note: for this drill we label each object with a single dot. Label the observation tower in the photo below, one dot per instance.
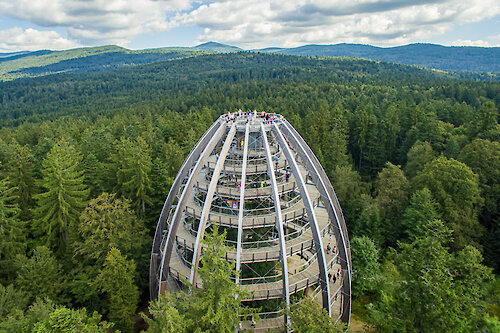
(254, 175)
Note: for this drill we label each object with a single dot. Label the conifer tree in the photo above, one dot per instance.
(214, 308)
(433, 290)
(68, 320)
(116, 281)
(420, 211)
(65, 195)
(307, 316)
(134, 167)
(392, 196)
(40, 275)
(12, 231)
(166, 317)
(21, 175)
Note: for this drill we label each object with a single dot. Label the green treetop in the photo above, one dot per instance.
(116, 281)
(308, 316)
(12, 231)
(65, 196)
(108, 222)
(214, 308)
(456, 189)
(40, 275)
(133, 175)
(366, 268)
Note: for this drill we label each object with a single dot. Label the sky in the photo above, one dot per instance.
(249, 24)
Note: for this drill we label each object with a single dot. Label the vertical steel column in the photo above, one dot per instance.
(209, 146)
(323, 271)
(326, 187)
(183, 171)
(279, 222)
(208, 203)
(242, 202)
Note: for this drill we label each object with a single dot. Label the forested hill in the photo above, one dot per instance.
(87, 160)
(90, 59)
(455, 58)
(95, 59)
(83, 94)
(104, 58)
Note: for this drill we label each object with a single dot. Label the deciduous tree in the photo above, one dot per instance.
(366, 268)
(455, 187)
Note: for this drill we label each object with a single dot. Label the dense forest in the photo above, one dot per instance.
(86, 161)
(455, 58)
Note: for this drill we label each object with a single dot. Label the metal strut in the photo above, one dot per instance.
(183, 172)
(208, 204)
(279, 224)
(209, 145)
(334, 210)
(242, 202)
(313, 222)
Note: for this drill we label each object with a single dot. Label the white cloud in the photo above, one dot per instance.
(16, 39)
(260, 23)
(254, 23)
(96, 21)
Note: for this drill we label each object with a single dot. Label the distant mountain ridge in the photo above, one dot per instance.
(217, 47)
(16, 65)
(455, 58)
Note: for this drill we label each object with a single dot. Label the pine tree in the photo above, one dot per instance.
(12, 230)
(307, 316)
(116, 281)
(21, 175)
(40, 275)
(420, 211)
(68, 320)
(134, 167)
(65, 196)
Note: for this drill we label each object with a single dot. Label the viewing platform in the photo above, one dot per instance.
(254, 176)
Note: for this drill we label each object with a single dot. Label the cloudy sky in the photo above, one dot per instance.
(138, 24)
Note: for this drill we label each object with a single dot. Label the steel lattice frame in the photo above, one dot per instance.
(302, 216)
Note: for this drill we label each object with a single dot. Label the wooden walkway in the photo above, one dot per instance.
(299, 249)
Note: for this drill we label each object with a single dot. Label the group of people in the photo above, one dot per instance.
(251, 116)
(335, 276)
(329, 248)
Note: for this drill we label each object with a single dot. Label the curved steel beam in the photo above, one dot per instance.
(242, 202)
(209, 144)
(183, 172)
(313, 222)
(279, 223)
(208, 204)
(333, 209)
